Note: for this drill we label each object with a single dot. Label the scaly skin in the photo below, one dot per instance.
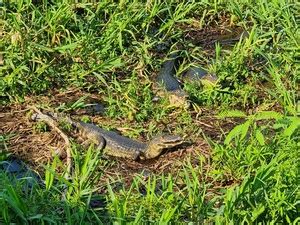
(120, 146)
(166, 78)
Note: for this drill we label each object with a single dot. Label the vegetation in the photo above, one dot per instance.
(252, 175)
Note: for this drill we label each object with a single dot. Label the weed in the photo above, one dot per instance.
(4, 153)
(41, 127)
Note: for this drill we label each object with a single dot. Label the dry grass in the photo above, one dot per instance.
(37, 148)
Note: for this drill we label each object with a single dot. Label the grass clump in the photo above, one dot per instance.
(53, 199)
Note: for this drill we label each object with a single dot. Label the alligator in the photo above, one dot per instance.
(114, 144)
(117, 145)
(166, 75)
(173, 88)
(166, 79)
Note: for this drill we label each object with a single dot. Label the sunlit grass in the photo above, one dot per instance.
(116, 50)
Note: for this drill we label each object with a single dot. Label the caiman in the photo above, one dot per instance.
(114, 144)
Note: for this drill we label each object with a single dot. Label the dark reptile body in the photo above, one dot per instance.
(112, 143)
(166, 76)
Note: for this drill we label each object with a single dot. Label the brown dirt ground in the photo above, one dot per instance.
(36, 148)
(217, 28)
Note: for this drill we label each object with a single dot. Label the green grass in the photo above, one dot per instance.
(115, 50)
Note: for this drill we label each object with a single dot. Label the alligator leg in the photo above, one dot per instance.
(98, 141)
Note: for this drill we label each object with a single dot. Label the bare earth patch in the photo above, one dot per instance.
(37, 148)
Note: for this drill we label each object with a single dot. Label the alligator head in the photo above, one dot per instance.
(159, 143)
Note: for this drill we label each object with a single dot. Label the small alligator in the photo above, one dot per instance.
(117, 145)
(166, 78)
(166, 75)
